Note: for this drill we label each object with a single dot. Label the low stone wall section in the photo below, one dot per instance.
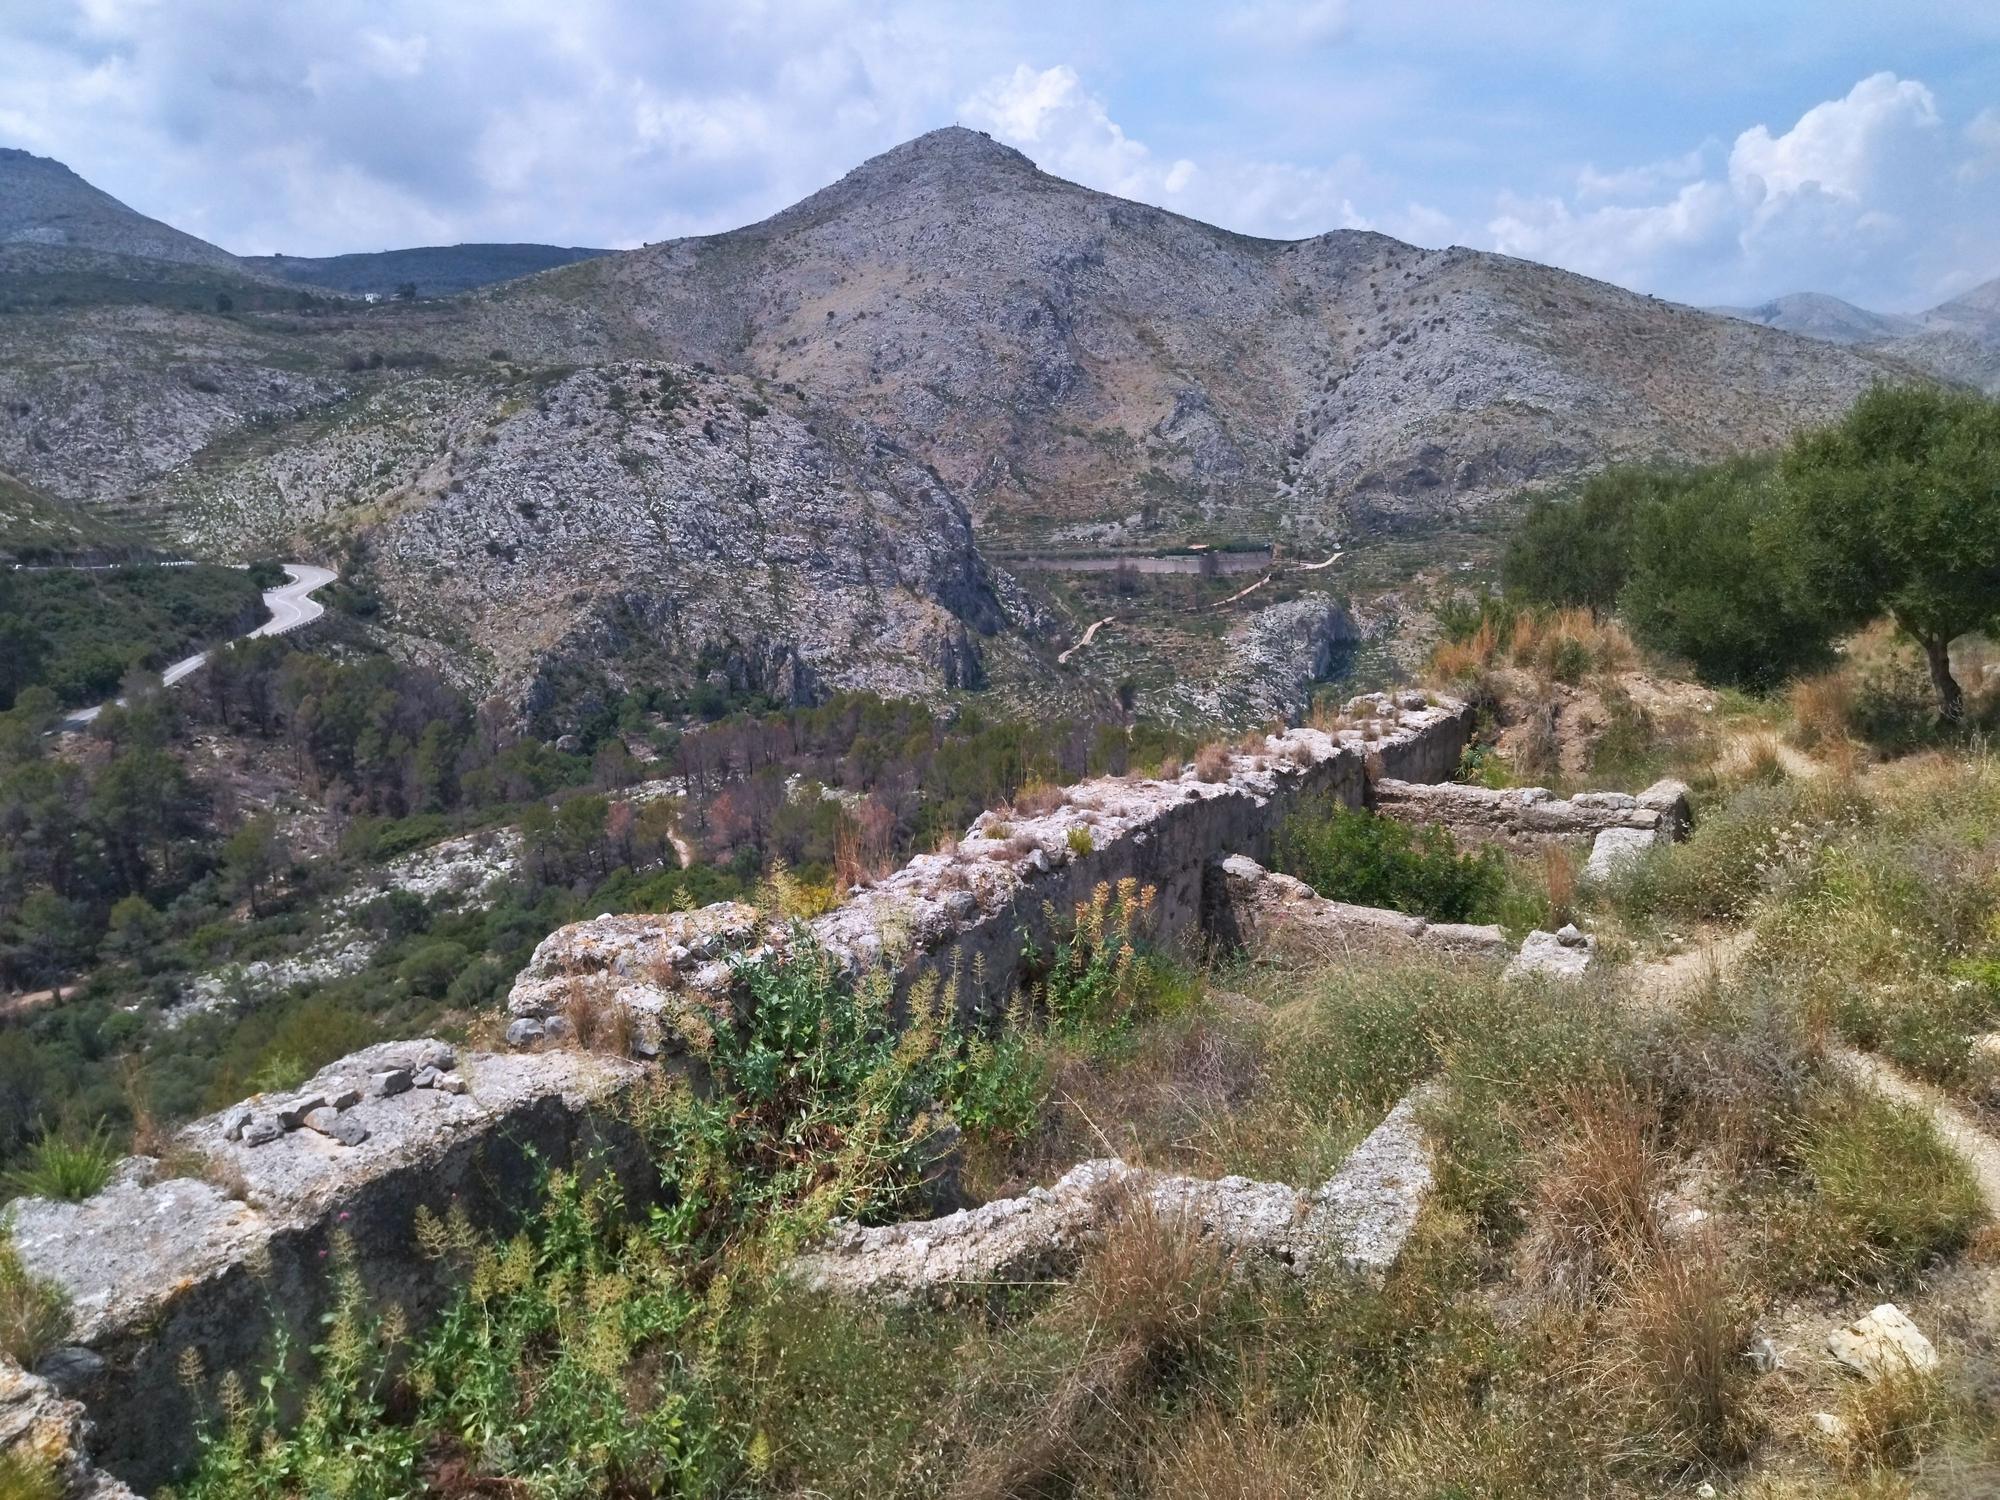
(156, 1266)
(1526, 818)
(1356, 1221)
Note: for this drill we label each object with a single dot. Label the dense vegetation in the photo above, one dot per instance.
(1351, 855)
(1750, 570)
(80, 632)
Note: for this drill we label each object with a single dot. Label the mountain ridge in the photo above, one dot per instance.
(1957, 340)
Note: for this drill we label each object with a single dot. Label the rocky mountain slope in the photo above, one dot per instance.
(1087, 368)
(42, 202)
(631, 523)
(1957, 340)
(947, 338)
(433, 270)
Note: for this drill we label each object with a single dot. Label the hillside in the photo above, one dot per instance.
(434, 270)
(629, 524)
(1957, 340)
(1087, 368)
(42, 202)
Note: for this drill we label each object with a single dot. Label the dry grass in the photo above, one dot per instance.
(1559, 880)
(598, 1022)
(1673, 1357)
(1036, 799)
(1823, 709)
(1146, 1299)
(1211, 763)
(1890, 1423)
(1594, 1213)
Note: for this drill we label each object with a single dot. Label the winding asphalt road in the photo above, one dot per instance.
(291, 605)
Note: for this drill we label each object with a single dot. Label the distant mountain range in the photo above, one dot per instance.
(44, 204)
(1957, 340)
(431, 271)
(784, 453)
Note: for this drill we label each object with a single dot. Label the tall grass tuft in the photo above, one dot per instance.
(34, 1315)
(66, 1166)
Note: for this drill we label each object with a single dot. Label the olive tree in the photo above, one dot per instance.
(1896, 511)
(1711, 580)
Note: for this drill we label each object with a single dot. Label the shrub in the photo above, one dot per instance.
(1080, 841)
(433, 968)
(67, 1167)
(1353, 856)
(1211, 763)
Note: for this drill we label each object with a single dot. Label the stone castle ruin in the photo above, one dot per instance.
(202, 1256)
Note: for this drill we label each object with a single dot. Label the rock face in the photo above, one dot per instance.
(1358, 1221)
(157, 1266)
(635, 524)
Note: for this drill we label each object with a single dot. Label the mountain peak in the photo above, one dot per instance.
(43, 202)
(954, 143)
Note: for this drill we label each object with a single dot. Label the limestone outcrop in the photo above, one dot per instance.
(157, 1265)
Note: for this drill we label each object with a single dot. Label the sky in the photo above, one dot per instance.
(1705, 151)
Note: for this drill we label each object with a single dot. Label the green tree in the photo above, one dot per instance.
(1714, 580)
(133, 930)
(1576, 550)
(254, 855)
(1896, 511)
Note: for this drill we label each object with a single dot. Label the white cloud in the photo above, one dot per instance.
(1634, 182)
(1858, 195)
(1982, 134)
(1054, 118)
(396, 56)
(1840, 148)
(1276, 23)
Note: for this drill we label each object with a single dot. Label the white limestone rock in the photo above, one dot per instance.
(1882, 1343)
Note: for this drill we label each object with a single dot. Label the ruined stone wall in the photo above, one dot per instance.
(156, 1266)
(1528, 817)
(967, 916)
(212, 1260)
